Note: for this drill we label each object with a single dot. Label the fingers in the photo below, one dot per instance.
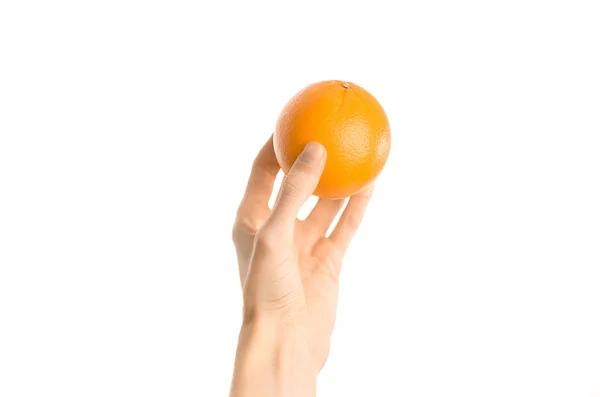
(300, 183)
(351, 219)
(262, 178)
(323, 214)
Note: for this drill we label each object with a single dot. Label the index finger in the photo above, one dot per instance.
(262, 178)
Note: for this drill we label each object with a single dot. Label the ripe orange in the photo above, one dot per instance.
(349, 122)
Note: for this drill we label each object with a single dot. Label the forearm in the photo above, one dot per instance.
(273, 361)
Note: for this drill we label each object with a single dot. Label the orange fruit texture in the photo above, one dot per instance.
(349, 122)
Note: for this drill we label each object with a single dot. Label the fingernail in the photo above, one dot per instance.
(312, 154)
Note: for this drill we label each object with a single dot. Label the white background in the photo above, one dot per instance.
(127, 129)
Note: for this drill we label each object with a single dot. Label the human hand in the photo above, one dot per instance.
(289, 271)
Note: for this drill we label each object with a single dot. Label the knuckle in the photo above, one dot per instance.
(291, 188)
(266, 239)
(304, 170)
(290, 301)
(245, 224)
(238, 234)
(244, 227)
(235, 234)
(260, 166)
(249, 217)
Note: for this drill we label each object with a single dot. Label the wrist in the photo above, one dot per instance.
(273, 359)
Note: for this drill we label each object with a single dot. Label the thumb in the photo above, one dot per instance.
(300, 182)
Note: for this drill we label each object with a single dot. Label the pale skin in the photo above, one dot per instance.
(289, 272)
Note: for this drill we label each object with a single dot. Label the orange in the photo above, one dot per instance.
(349, 122)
